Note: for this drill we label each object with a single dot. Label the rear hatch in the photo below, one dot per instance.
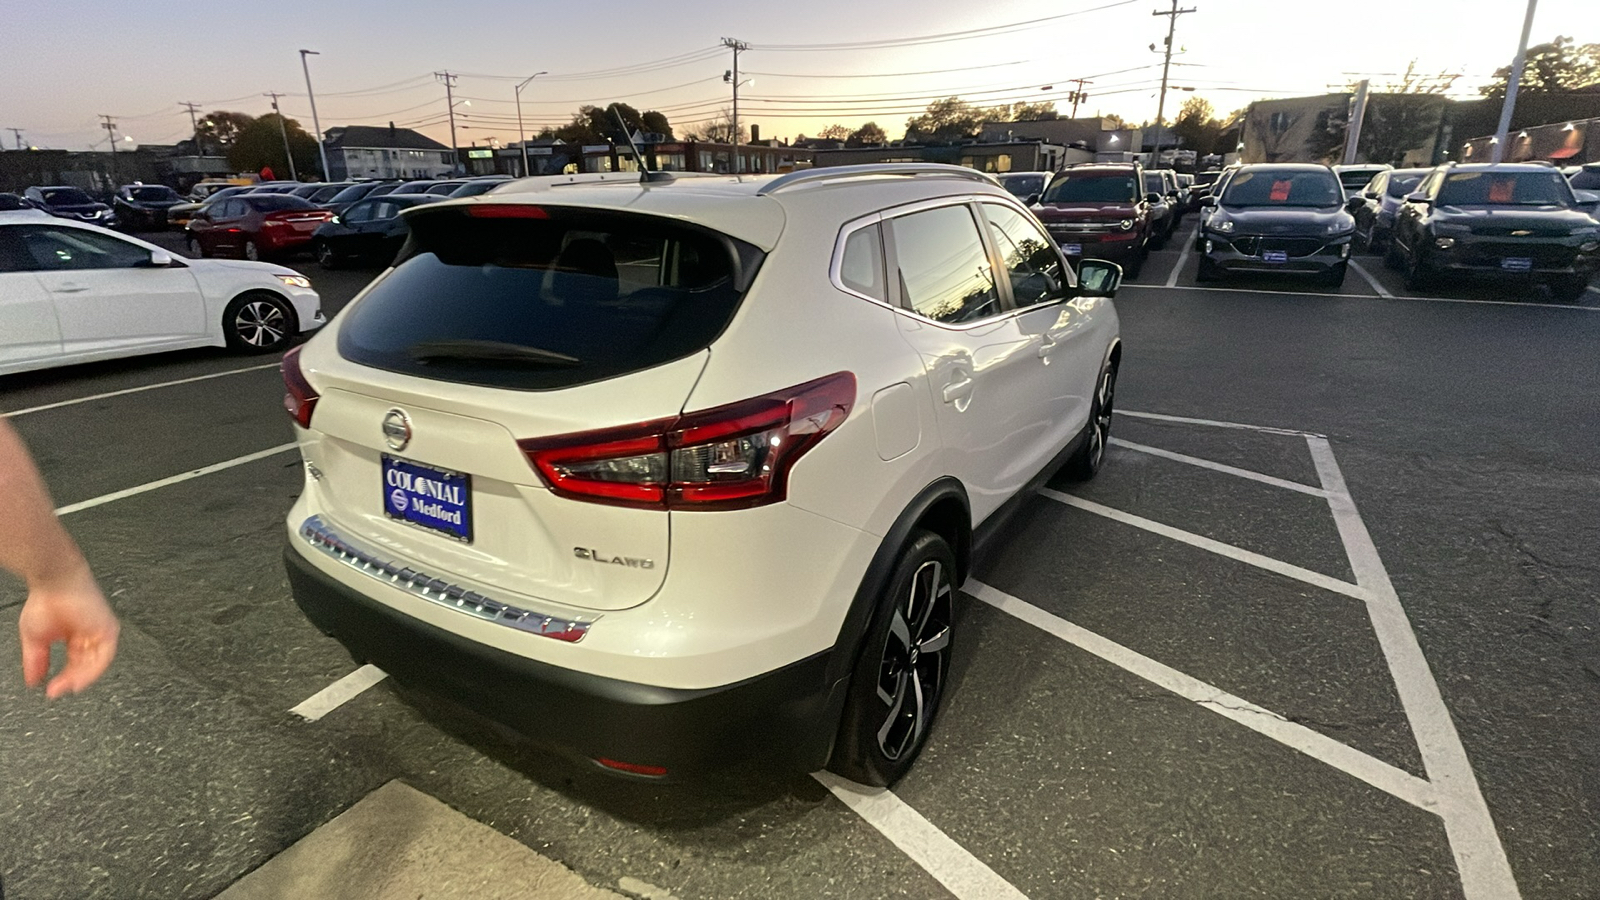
(503, 324)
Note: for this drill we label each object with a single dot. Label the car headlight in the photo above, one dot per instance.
(1444, 243)
(1224, 226)
(299, 281)
(1126, 224)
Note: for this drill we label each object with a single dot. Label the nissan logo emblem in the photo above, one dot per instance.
(397, 429)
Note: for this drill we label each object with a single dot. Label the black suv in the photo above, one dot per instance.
(1515, 220)
(1277, 217)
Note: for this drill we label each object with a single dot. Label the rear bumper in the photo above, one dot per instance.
(785, 718)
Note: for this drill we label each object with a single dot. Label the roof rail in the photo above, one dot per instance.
(836, 173)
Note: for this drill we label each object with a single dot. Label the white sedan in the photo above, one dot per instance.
(72, 292)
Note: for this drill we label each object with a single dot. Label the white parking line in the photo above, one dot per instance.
(135, 390)
(339, 693)
(1221, 467)
(1249, 558)
(1594, 289)
(1480, 857)
(1314, 744)
(961, 873)
(1183, 258)
(175, 479)
(1382, 291)
(1231, 290)
(1212, 423)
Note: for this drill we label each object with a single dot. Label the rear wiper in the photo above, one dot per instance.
(498, 351)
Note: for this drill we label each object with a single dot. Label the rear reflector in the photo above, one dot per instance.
(632, 768)
(730, 457)
(300, 397)
(507, 211)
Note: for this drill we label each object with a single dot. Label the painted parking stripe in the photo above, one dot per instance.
(339, 693)
(1212, 423)
(1221, 467)
(1382, 291)
(1381, 775)
(1249, 558)
(175, 479)
(136, 390)
(1183, 258)
(1231, 290)
(1480, 857)
(961, 873)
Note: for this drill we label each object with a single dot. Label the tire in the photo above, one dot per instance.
(1334, 277)
(1136, 265)
(1206, 270)
(258, 322)
(1361, 243)
(1392, 258)
(197, 249)
(252, 251)
(904, 664)
(1091, 455)
(1378, 241)
(1569, 288)
(326, 258)
(1418, 276)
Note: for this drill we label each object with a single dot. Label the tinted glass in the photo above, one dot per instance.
(66, 197)
(442, 188)
(474, 188)
(1504, 189)
(275, 202)
(12, 201)
(1401, 184)
(1117, 187)
(153, 194)
(944, 270)
(615, 293)
(1356, 180)
(1586, 180)
(384, 210)
(307, 192)
(1023, 185)
(1030, 258)
(72, 249)
(356, 213)
(861, 266)
(1266, 187)
(352, 193)
(1154, 183)
(382, 189)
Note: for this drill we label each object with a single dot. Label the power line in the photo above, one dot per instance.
(946, 36)
(886, 74)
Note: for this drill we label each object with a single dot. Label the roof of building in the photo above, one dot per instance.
(379, 136)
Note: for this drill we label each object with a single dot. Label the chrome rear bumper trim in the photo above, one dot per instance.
(321, 537)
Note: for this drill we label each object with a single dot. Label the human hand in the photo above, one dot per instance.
(70, 610)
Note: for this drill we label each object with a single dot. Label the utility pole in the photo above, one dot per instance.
(18, 133)
(522, 137)
(110, 125)
(1497, 150)
(1078, 96)
(322, 148)
(737, 46)
(284, 131)
(1166, 66)
(450, 98)
(1358, 115)
(194, 126)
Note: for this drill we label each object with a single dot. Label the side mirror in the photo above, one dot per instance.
(1098, 278)
(1031, 199)
(160, 259)
(1210, 202)
(1355, 203)
(1370, 195)
(1152, 197)
(1419, 197)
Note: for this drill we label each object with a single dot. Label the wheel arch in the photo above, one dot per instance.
(255, 291)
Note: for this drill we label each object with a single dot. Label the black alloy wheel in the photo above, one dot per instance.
(326, 257)
(1418, 276)
(197, 249)
(900, 676)
(258, 322)
(1091, 455)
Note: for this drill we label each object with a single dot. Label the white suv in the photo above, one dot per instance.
(677, 474)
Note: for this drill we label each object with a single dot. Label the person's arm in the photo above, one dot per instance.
(64, 604)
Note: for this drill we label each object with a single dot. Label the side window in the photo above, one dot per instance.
(358, 213)
(73, 249)
(944, 269)
(13, 256)
(861, 264)
(385, 210)
(1031, 260)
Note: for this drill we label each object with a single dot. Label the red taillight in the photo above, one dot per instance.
(731, 457)
(507, 211)
(632, 768)
(300, 398)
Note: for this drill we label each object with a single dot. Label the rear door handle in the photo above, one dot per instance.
(959, 389)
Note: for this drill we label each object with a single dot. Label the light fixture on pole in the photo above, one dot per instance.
(322, 148)
(522, 137)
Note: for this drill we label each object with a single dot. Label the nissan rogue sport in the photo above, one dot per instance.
(674, 474)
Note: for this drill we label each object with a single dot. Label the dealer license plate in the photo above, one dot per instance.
(1275, 255)
(1517, 264)
(436, 499)
(1072, 249)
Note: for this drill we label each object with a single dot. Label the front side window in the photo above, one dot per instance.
(861, 264)
(1116, 187)
(944, 269)
(358, 213)
(1030, 258)
(73, 250)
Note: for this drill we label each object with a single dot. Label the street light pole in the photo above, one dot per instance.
(322, 148)
(522, 137)
(1497, 148)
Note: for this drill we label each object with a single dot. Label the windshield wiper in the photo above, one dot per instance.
(496, 351)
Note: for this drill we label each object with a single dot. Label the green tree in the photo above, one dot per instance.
(834, 133)
(1042, 111)
(1197, 126)
(867, 135)
(1112, 122)
(950, 119)
(1559, 67)
(220, 129)
(260, 144)
(656, 123)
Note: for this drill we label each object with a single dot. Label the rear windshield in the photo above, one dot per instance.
(1586, 180)
(153, 194)
(1504, 189)
(1112, 187)
(474, 188)
(1284, 188)
(537, 304)
(1401, 184)
(1357, 179)
(352, 193)
(274, 202)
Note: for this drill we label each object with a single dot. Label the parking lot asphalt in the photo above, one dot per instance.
(1184, 679)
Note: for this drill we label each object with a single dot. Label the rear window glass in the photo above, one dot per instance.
(1099, 188)
(1357, 179)
(537, 304)
(1283, 188)
(1587, 180)
(1401, 185)
(1504, 188)
(274, 202)
(153, 194)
